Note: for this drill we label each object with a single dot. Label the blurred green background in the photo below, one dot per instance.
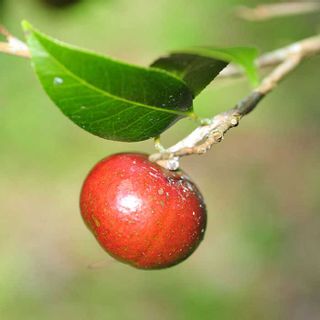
(260, 258)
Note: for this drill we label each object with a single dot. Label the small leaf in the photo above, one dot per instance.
(202, 65)
(197, 71)
(108, 98)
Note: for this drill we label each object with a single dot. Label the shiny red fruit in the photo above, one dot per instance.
(142, 214)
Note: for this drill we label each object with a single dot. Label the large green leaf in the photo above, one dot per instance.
(108, 98)
(199, 66)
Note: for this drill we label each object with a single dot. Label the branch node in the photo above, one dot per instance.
(217, 136)
(234, 121)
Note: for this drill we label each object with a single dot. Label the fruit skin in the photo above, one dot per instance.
(141, 213)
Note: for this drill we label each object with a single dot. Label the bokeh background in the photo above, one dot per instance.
(260, 258)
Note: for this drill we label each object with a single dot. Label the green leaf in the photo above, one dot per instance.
(195, 70)
(199, 66)
(108, 98)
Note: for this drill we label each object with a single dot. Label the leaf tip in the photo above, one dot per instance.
(26, 26)
(193, 116)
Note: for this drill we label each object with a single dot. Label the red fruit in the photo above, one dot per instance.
(142, 214)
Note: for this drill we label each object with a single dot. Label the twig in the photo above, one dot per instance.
(204, 137)
(269, 11)
(13, 46)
